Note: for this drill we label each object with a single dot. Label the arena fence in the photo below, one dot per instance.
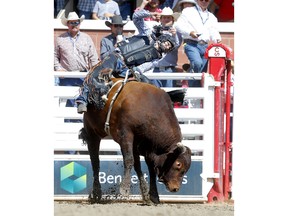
(205, 125)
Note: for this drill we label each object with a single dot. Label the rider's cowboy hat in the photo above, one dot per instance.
(167, 11)
(72, 16)
(115, 20)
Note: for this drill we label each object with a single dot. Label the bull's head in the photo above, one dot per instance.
(172, 166)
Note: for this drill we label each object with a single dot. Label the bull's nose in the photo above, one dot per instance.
(175, 190)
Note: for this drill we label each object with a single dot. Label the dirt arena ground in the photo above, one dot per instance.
(62, 208)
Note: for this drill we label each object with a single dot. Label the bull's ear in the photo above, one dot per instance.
(158, 159)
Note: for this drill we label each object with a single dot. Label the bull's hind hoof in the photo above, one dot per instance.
(148, 202)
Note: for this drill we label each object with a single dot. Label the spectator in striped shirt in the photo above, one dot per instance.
(74, 51)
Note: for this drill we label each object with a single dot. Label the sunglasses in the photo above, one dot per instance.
(118, 25)
(76, 23)
(204, 0)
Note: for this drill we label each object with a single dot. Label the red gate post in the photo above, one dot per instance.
(228, 149)
(218, 59)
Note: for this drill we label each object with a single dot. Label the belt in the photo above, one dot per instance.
(202, 42)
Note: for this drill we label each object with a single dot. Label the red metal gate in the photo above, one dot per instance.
(219, 65)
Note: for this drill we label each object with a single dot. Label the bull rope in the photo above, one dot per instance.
(107, 125)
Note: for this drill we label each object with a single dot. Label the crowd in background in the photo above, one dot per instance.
(189, 21)
(222, 9)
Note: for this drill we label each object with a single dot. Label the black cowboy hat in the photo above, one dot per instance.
(115, 20)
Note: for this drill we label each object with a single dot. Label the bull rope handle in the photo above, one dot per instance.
(123, 82)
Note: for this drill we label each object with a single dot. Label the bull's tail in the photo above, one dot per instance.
(83, 135)
(177, 95)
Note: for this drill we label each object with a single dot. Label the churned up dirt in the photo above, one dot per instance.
(70, 208)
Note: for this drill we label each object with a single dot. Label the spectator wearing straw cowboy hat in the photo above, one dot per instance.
(108, 43)
(74, 51)
(168, 63)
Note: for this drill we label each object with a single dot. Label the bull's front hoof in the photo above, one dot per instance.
(94, 197)
(155, 199)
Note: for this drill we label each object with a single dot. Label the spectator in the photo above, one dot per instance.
(168, 63)
(74, 51)
(142, 48)
(154, 7)
(85, 7)
(108, 43)
(126, 7)
(105, 9)
(198, 27)
(223, 10)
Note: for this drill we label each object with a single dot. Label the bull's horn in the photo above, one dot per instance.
(181, 147)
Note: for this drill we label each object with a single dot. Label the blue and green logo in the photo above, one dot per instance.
(73, 177)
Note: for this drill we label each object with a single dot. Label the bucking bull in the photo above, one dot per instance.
(141, 119)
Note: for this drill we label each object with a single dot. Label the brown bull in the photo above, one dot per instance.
(143, 122)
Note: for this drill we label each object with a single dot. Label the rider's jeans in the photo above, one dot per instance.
(119, 67)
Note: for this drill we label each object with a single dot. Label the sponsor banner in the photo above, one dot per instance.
(75, 177)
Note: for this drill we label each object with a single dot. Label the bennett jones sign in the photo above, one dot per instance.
(76, 178)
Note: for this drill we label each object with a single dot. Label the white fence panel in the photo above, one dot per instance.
(196, 122)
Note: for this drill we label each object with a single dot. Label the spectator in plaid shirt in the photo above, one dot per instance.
(85, 7)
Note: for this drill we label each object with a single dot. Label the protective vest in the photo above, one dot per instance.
(138, 50)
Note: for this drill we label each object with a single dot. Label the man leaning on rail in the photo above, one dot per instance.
(142, 50)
